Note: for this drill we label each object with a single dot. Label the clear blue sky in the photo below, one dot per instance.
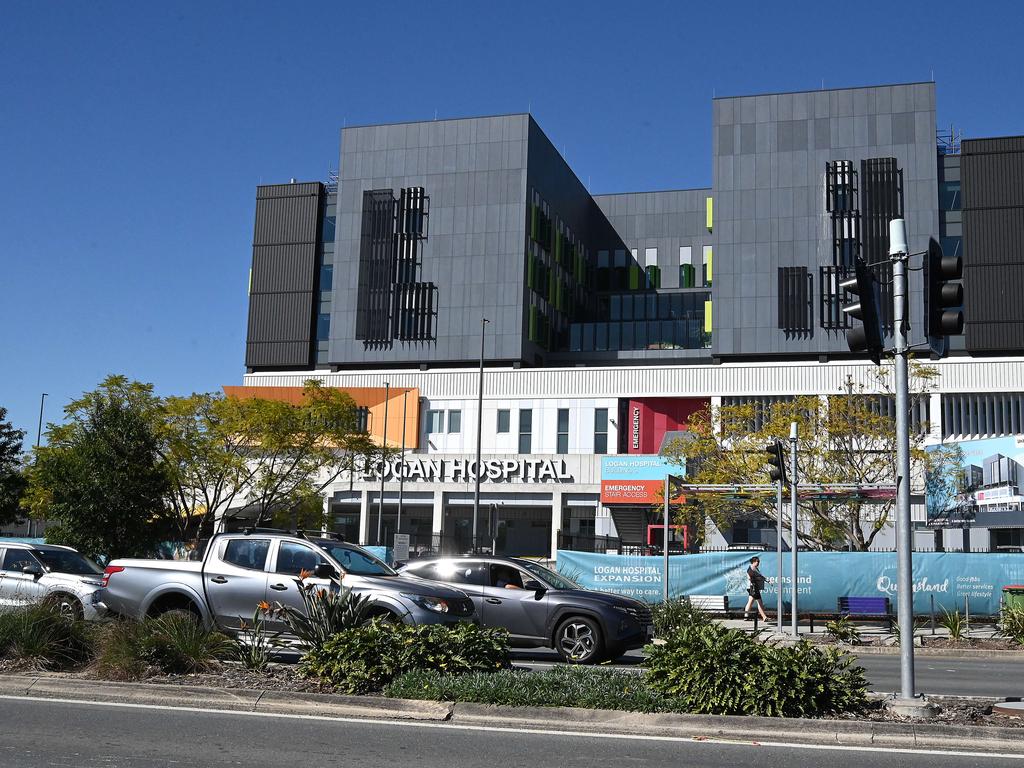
(133, 135)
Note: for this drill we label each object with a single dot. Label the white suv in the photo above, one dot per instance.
(39, 573)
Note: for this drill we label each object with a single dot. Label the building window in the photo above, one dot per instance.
(323, 326)
(563, 431)
(600, 430)
(504, 421)
(454, 421)
(435, 421)
(327, 235)
(525, 430)
(326, 277)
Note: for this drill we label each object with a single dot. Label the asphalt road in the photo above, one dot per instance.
(945, 675)
(48, 733)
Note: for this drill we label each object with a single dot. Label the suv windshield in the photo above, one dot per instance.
(355, 560)
(556, 580)
(65, 561)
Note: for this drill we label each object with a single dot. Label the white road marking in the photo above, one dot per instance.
(536, 731)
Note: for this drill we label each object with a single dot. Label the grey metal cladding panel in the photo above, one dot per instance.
(286, 220)
(281, 354)
(993, 180)
(267, 191)
(283, 268)
(998, 144)
(280, 317)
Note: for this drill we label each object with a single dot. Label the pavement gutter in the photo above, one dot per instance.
(698, 727)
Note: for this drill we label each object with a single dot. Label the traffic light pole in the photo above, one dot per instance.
(905, 589)
(778, 560)
(794, 522)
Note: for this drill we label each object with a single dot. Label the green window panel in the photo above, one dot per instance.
(634, 277)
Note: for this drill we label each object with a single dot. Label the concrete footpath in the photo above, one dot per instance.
(746, 730)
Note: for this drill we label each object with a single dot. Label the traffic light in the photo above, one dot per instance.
(866, 334)
(943, 299)
(777, 461)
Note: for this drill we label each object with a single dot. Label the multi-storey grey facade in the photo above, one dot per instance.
(612, 318)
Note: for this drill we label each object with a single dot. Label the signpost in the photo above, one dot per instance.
(400, 550)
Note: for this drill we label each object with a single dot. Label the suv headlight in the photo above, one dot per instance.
(435, 604)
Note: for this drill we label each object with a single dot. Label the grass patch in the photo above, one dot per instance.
(40, 637)
(589, 687)
(171, 644)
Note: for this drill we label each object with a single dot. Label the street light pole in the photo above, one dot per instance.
(898, 253)
(794, 522)
(383, 460)
(401, 475)
(479, 431)
(39, 436)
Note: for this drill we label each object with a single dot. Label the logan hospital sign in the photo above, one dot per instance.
(526, 470)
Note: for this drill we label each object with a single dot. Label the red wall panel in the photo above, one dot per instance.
(649, 418)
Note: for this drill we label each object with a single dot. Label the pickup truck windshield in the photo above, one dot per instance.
(356, 561)
(63, 561)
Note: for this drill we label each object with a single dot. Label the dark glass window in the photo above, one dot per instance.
(601, 336)
(247, 553)
(576, 338)
(16, 559)
(563, 430)
(454, 421)
(435, 421)
(600, 430)
(294, 558)
(525, 430)
(455, 573)
(327, 235)
(323, 326)
(326, 277)
(503, 421)
(616, 308)
(588, 337)
(949, 196)
(615, 336)
(627, 336)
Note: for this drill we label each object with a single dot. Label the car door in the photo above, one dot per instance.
(469, 576)
(523, 612)
(291, 558)
(235, 579)
(18, 588)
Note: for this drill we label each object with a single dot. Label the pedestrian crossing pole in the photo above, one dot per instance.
(668, 479)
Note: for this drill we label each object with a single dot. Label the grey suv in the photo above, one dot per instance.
(542, 608)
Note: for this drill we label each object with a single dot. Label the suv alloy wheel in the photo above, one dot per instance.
(578, 640)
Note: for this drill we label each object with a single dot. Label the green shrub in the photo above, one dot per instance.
(326, 612)
(39, 635)
(172, 643)
(955, 623)
(843, 630)
(366, 658)
(1011, 623)
(713, 670)
(894, 631)
(566, 686)
(675, 613)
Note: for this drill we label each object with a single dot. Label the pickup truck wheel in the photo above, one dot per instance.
(67, 606)
(578, 640)
(182, 613)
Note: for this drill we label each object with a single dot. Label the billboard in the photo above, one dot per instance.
(987, 478)
(635, 480)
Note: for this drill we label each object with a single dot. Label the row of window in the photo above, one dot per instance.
(503, 425)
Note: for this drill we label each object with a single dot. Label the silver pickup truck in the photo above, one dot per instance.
(240, 570)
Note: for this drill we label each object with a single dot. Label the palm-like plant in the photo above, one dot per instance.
(327, 610)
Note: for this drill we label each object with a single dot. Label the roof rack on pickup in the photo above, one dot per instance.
(297, 532)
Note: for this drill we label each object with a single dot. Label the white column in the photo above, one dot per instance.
(364, 516)
(935, 416)
(438, 522)
(327, 522)
(556, 521)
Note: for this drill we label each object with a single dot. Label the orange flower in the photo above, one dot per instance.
(263, 605)
(304, 574)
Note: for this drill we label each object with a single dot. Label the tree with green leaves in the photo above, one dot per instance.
(843, 439)
(12, 477)
(101, 477)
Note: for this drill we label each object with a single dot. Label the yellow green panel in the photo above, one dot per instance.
(707, 317)
(710, 255)
(710, 211)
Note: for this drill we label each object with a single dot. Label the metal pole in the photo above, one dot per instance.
(778, 560)
(401, 476)
(383, 460)
(904, 559)
(479, 432)
(665, 541)
(793, 522)
(39, 435)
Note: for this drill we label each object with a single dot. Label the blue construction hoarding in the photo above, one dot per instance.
(947, 577)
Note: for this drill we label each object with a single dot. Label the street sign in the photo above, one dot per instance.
(400, 550)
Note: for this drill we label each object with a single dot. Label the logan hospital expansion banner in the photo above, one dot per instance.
(949, 577)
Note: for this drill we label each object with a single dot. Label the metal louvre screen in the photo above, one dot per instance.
(392, 303)
(881, 200)
(794, 299)
(833, 298)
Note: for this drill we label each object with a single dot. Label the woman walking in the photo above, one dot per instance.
(756, 580)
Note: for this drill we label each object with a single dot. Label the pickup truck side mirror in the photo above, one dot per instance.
(534, 585)
(325, 571)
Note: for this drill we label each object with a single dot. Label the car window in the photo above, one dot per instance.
(455, 573)
(16, 559)
(247, 553)
(355, 560)
(66, 561)
(506, 576)
(294, 558)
